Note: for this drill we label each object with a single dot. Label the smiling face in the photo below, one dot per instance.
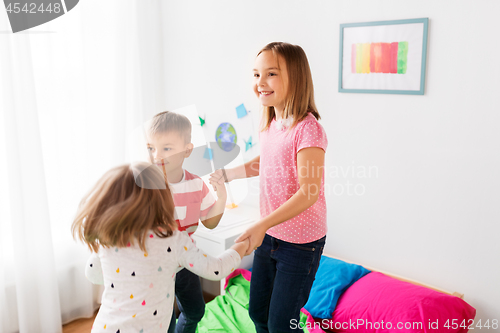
(168, 151)
(271, 80)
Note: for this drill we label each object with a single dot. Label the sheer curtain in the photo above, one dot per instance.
(72, 94)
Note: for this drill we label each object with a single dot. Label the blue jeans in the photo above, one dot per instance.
(190, 302)
(282, 277)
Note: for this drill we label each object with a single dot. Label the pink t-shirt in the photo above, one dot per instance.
(279, 179)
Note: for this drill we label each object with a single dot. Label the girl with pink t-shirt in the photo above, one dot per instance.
(289, 239)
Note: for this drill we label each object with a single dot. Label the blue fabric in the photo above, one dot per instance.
(282, 276)
(332, 279)
(190, 302)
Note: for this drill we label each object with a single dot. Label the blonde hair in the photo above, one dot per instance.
(125, 205)
(167, 121)
(299, 98)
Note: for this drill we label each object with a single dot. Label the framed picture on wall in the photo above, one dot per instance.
(385, 57)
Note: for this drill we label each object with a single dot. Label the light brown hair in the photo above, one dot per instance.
(125, 205)
(167, 121)
(299, 99)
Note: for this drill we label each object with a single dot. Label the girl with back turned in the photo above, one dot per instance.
(127, 219)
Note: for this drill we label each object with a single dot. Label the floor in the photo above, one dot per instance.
(79, 325)
(85, 325)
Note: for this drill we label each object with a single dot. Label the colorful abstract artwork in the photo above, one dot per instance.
(369, 58)
(385, 57)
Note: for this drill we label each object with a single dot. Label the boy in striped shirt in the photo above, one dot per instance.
(169, 143)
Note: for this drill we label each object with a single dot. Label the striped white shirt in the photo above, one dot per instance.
(192, 200)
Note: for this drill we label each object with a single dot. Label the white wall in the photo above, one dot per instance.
(429, 209)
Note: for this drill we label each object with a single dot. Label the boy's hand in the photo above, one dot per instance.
(221, 190)
(221, 176)
(242, 247)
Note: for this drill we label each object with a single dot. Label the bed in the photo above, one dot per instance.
(348, 297)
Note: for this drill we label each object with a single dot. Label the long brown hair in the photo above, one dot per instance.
(126, 204)
(299, 99)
